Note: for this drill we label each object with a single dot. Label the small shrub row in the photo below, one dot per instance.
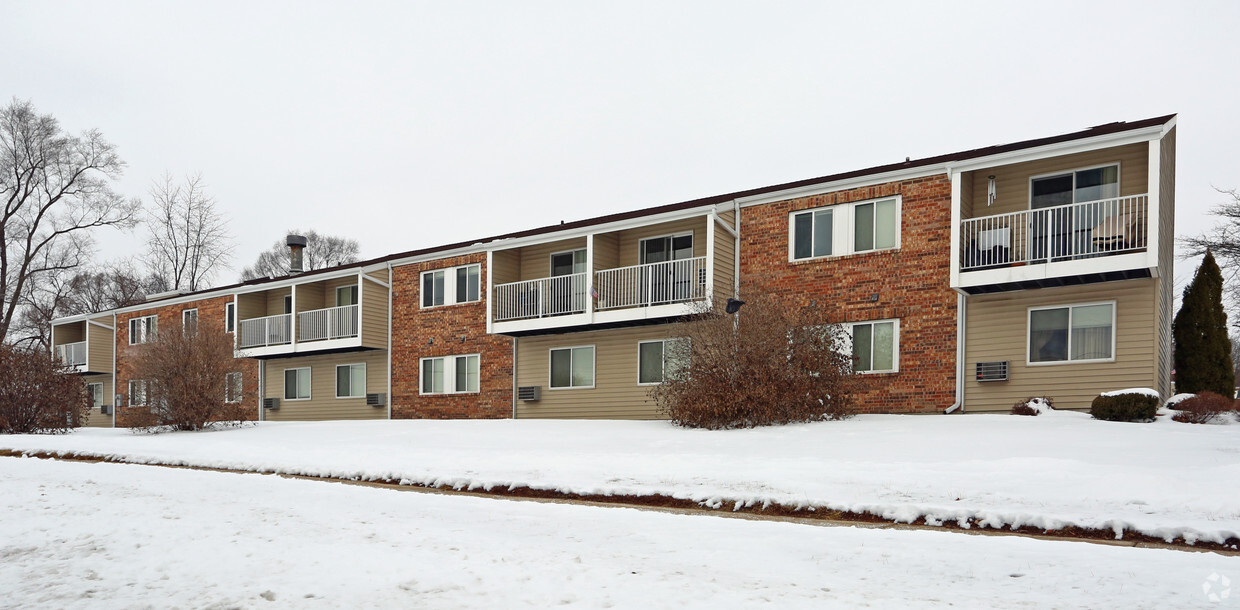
(1204, 408)
(1124, 407)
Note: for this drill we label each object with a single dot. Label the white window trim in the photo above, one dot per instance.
(145, 392)
(895, 343)
(185, 314)
(1029, 331)
(551, 259)
(449, 374)
(1119, 179)
(92, 393)
(230, 308)
(663, 368)
(449, 286)
(356, 295)
(364, 380)
(673, 236)
(593, 367)
(146, 338)
(843, 229)
(284, 384)
(228, 385)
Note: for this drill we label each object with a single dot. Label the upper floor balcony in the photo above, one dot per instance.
(338, 312)
(1068, 219)
(84, 344)
(657, 270)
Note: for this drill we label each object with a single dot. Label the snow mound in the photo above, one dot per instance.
(1177, 399)
(1145, 391)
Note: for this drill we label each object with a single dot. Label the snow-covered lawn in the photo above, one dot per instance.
(1164, 479)
(78, 535)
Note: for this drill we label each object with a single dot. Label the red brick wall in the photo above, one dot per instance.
(210, 318)
(413, 330)
(911, 283)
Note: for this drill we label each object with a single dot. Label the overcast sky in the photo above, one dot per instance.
(406, 125)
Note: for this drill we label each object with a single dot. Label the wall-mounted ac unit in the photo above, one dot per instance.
(992, 371)
(529, 393)
(105, 409)
(376, 400)
(271, 403)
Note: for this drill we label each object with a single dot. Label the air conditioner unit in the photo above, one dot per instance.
(529, 393)
(376, 400)
(271, 403)
(992, 371)
(105, 409)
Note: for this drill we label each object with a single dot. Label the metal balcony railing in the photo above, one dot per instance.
(268, 330)
(549, 296)
(1079, 230)
(72, 354)
(652, 284)
(331, 323)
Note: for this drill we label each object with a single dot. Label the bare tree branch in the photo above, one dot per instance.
(321, 251)
(188, 238)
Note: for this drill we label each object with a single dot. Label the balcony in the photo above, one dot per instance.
(342, 312)
(652, 284)
(72, 354)
(326, 324)
(266, 331)
(549, 296)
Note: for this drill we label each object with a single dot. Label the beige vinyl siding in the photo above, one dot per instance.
(99, 349)
(997, 329)
(606, 251)
(1166, 252)
(98, 419)
(251, 305)
(374, 311)
(505, 267)
(323, 403)
(1012, 181)
(536, 259)
(630, 253)
(312, 296)
(275, 300)
(615, 394)
(725, 258)
(69, 333)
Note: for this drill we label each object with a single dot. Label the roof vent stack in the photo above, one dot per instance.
(296, 245)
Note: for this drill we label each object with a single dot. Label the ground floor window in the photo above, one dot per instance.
(351, 380)
(657, 360)
(297, 384)
(137, 392)
(572, 367)
(96, 394)
(451, 374)
(876, 346)
(232, 387)
(1072, 333)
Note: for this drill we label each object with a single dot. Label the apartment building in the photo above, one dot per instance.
(967, 281)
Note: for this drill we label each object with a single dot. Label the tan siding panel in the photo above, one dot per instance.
(725, 262)
(997, 327)
(275, 300)
(507, 266)
(615, 394)
(606, 251)
(312, 296)
(69, 333)
(966, 192)
(323, 403)
(251, 305)
(97, 419)
(374, 314)
(102, 342)
(1012, 181)
(1166, 252)
(629, 238)
(536, 259)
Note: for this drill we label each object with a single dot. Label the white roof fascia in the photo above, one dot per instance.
(1122, 138)
(844, 184)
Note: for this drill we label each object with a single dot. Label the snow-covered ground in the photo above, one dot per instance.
(1165, 479)
(78, 535)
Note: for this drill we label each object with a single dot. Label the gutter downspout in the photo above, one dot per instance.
(961, 317)
(114, 348)
(391, 289)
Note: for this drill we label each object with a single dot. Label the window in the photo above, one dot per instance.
(572, 367)
(842, 229)
(137, 392)
(451, 286)
(1077, 186)
(450, 374)
(568, 262)
(1074, 333)
(189, 321)
(876, 346)
(230, 317)
(288, 303)
(658, 359)
(143, 330)
(233, 384)
(346, 295)
(297, 384)
(96, 394)
(350, 380)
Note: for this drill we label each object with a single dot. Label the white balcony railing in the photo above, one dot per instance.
(269, 330)
(652, 284)
(1066, 232)
(549, 296)
(331, 323)
(72, 354)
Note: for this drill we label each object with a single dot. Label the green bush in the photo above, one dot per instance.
(1124, 407)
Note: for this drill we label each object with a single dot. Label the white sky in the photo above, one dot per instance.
(407, 125)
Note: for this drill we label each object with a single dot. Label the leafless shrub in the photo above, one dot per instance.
(1203, 408)
(768, 364)
(37, 395)
(186, 378)
(1033, 405)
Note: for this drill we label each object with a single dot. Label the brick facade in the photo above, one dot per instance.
(210, 319)
(912, 284)
(447, 330)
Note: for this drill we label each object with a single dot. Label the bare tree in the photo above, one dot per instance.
(188, 237)
(66, 293)
(321, 251)
(1224, 242)
(55, 188)
(190, 380)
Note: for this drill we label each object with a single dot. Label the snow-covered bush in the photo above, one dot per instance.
(1203, 408)
(37, 394)
(1126, 405)
(770, 363)
(1034, 405)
